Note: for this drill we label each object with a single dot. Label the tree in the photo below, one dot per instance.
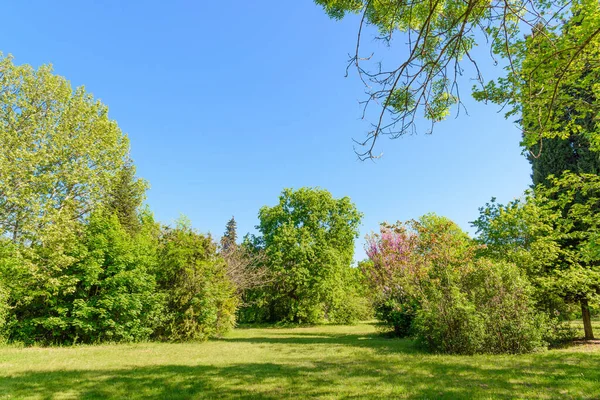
(569, 151)
(441, 37)
(308, 239)
(230, 236)
(87, 287)
(59, 152)
(575, 201)
(553, 156)
(200, 299)
(552, 235)
(126, 197)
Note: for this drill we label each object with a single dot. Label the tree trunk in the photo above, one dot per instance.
(587, 321)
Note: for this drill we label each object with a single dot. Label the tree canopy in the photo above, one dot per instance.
(308, 238)
(441, 37)
(59, 151)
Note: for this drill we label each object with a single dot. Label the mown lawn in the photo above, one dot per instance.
(320, 362)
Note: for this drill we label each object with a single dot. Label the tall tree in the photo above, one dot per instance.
(228, 241)
(438, 39)
(308, 239)
(126, 197)
(553, 235)
(555, 155)
(200, 298)
(59, 151)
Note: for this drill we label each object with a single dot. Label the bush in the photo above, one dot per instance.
(448, 323)
(4, 313)
(200, 300)
(429, 284)
(487, 310)
(397, 314)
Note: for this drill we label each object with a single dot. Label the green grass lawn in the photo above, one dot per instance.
(320, 362)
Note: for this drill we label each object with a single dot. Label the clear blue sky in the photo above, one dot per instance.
(227, 103)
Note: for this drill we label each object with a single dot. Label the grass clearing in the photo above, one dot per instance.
(270, 363)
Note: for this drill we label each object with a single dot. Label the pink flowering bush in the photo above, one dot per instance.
(429, 284)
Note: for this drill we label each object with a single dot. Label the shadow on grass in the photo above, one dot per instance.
(546, 375)
(375, 341)
(371, 366)
(276, 381)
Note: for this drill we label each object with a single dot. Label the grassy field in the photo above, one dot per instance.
(320, 362)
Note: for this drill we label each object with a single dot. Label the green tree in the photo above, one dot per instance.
(200, 298)
(228, 241)
(555, 155)
(440, 38)
(126, 197)
(552, 235)
(308, 239)
(59, 152)
(87, 287)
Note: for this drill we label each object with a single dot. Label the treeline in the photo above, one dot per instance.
(82, 260)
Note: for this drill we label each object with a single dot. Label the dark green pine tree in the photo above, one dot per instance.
(228, 241)
(126, 197)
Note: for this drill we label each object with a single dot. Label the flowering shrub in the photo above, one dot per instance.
(429, 284)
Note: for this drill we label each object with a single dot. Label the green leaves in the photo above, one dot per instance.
(549, 49)
(308, 239)
(59, 151)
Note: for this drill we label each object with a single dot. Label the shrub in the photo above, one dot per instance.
(430, 284)
(200, 299)
(396, 313)
(4, 313)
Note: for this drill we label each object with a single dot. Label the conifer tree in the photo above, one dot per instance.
(228, 241)
(126, 197)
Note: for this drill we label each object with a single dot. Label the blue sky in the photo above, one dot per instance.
(227, 103)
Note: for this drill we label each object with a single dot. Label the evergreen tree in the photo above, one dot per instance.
(228, 241)
(556, 155)
(126, 197)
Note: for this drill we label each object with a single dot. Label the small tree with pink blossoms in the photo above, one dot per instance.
(391, 274)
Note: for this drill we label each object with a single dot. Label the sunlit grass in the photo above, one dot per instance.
(269, 363)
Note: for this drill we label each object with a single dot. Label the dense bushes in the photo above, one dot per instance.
(106, 284)
(429, 284)
(200, 298)
(485, 308)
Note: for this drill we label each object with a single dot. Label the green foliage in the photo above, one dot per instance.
(552, 237)
(126, 198)
(4, 313)
(429, 284)
(59, 152)
(200, 298)
(228, 241)
(115, 298)
(308, 239)
(550, 75)
(92, 289)
(351, 303)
